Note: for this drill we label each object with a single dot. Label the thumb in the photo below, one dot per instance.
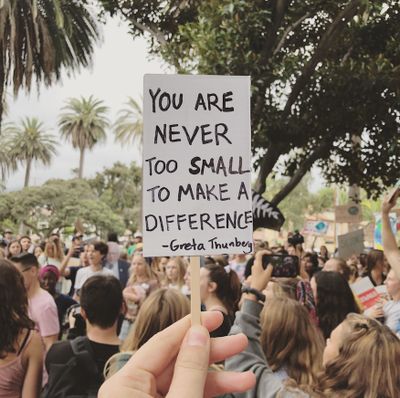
(191, 365)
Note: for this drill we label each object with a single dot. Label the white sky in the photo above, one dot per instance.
(118, 68)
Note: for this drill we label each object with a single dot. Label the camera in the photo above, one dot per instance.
(296, 239)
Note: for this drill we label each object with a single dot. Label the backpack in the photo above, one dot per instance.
(78, 377)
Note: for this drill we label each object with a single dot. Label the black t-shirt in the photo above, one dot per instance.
(61, 352)
(225, 327)
(63, 302)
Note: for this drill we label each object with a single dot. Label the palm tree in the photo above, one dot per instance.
(128, 127)
(28, 142)
(40, 37)
(84, 123)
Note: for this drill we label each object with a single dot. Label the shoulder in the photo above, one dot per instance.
(106, 271)
(123, 264)
(59, 353)
(34, 347)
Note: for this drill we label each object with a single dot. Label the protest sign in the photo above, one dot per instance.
(366, 292)
(351, 243)
(378, 244)
(348, 213)
(315, 228)
(196, 165)
(265, 214)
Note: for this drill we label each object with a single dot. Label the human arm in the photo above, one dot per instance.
(64, 271)
(130, 293)
(32, 383)
(174, 363)
(390, 248)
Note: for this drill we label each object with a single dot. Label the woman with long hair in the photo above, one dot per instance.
(21, 350)
(14, 248)
(334, 300)
(161, 309)
(141, 283)
(53, 253)
(220, 290)
(375, 267)
(175, 271)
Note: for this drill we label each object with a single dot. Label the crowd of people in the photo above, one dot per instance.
(100, 319)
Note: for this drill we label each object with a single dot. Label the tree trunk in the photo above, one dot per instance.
(267, 164)
(81, 162)
(304, 167)
(27, 172)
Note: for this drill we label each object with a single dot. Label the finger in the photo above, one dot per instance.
(219, 383)
(225, 347)
(158, 352)
(191, 366)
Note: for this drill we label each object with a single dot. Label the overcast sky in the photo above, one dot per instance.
(118, 68)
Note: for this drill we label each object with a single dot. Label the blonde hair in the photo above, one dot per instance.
(150, 274)
(160, 310)
(182, 265)
(55, 244)
(290, 340)
(285, 287)
(368, 362)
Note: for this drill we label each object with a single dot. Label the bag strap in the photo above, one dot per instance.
(83, 351)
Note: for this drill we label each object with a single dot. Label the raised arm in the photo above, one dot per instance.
(390, 248)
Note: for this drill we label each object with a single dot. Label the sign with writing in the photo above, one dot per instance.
(351, 243)
(266, 215)
(366, 292)
(378, 244)
(196, 165)
(315, 228)
(348, 213)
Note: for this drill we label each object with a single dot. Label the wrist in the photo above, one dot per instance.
(253, 294)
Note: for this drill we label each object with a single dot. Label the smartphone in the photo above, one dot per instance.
(285, 266)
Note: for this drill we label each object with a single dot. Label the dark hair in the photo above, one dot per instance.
(25, 237)
(101, 298)
(101, 247)
(9, 244)
(13, 307)
(334, 300)
(373, 257)
(228, 286)
(314, 261)
(26, 260)
(112, 237)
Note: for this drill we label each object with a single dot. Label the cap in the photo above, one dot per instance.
(138, 235)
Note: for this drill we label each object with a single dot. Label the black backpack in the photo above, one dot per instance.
(78, 377)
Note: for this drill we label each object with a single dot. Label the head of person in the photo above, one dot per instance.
(38, 251)
(290, 340)
(137, 237)
(163, 263)
(392, 283)
(77, 239)
(375, 260)
(310, 263)
(101, 301)
(84, 255)
(160, 310)
(112, 237)
(221, 283)
(25, 242)
(13, 309)
(175, 271)
(282, 288)
(334, 300)
(361, 360)
(337, 264)
(291, 249)
(49, 276)
(13, 248)
(114, 252)
(323, 251)
(97, 253)
(28, 265)
(8, 234)
(53, 248)
(140, 269)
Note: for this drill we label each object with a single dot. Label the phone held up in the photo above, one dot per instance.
(285, 266)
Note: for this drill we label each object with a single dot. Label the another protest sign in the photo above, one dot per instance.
(365, 292)
(318, 228)
(196, 165)
(351, 243)
(378, 229)
(265, 214)
(350, 213)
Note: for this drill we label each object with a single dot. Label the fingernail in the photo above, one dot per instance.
(197, 337)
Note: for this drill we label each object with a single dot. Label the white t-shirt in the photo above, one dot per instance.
(392, 314)
(85, 273)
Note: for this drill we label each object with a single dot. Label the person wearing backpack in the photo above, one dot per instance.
(75, 367)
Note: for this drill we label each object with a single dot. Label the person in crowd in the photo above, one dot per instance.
(49, 276)
(97, 255)
(310, 261)
(174, 363)
(186, 287)
(101, 305)
(112, 237)
(334, 300)
(13, 248)
(141, 283)
(323, 252)
(161, 309)
(8, 236)
(175, 273)
(21, 350)
(220, 290)
(53, 253)
(158, 265)
(25, 242)
(337, 264)
(356, 348)
(77, 243)
(42, 308)
(375, 267)
(39, 250)
(137, 241)
(238, 265)
(120, 268)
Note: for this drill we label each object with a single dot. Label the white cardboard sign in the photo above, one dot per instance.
(196, 165)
